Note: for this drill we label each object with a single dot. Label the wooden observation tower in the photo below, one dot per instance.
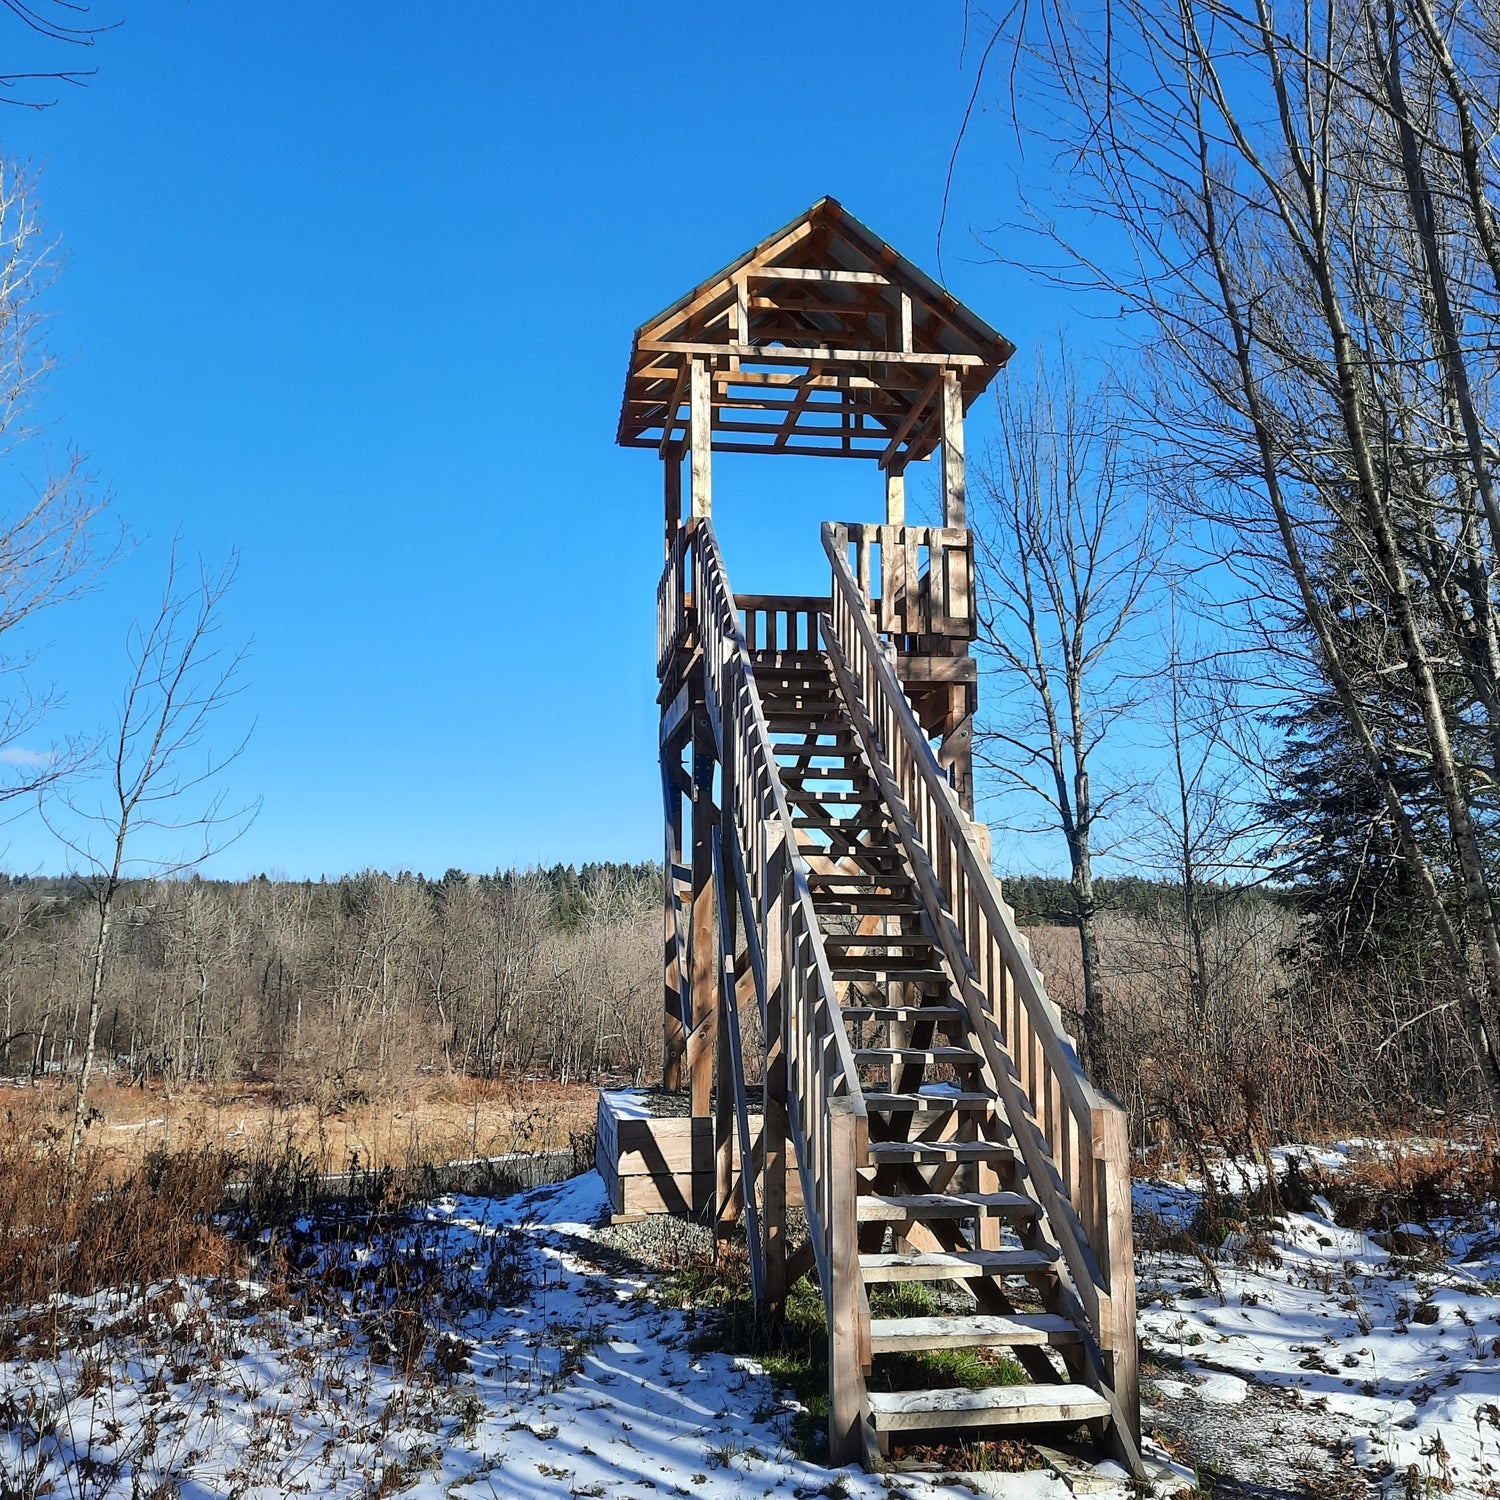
(833, 933)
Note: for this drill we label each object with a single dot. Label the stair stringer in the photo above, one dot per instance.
(1043, 1180)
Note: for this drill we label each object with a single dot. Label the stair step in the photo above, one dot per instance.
(995, 1406)
(893, 973)
(833, 940)
(953, 1265)
(958, 1057)
(893, 1335)
(877, 1209)
(835, 904)
(921, 1152)
(921, 1103)
(944, 1015)
(840, 733)
(804, 817)
(829, 879)
(788, 721)
(834, 799)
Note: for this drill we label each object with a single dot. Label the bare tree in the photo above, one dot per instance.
(161, 774)
(1067, 548)
(1306, 202)
(50, 550)
(66, 23)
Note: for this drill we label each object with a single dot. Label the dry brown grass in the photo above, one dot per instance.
(119, 1226)
(1411, 1182)
(427, 1120)
(146, 1203)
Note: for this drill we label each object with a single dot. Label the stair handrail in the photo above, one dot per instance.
(1072, 1138)
(825, 1103)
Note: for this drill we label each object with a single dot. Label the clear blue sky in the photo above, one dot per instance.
(351, 288)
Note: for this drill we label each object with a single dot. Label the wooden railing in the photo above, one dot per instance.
(672, 620)
(781, 622)
(829, 1122)
(925, 574)
(1072, 1140)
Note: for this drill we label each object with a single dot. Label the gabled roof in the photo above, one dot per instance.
(821, 340)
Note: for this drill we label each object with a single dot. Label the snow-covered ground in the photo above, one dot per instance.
(1332, 1355)
(553, 1376)
(1301, 1357)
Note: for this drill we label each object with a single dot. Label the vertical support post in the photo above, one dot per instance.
(775, 1129)
(674, 1034)
(671, 468)
(1116, 1255)
(846, 1384)
(702, 956)
(700, 429)
(724, 1121)
(956, 751)
(954, 491)
(895, 496)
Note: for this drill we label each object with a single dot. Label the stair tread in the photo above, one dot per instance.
(954, 1055)
(877, 939)
(892, 973)
(1007, 1405)
(867, 905)
(876, 1207)
(940, 1013)
(959, 1099)
(924, 1151)
(954, 1265)
(982, 1330)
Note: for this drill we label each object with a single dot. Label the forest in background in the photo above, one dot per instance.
(348, 987)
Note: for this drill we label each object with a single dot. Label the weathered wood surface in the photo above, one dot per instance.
(827, 1115)
(971, 1331)
(1075, 1157)
(994, 1406)
(926, 578)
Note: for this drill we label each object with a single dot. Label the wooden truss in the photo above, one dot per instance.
(822, 340)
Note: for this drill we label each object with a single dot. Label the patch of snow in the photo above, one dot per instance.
(628, 1104)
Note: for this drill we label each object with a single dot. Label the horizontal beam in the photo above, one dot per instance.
(803, 273)
(786, 354)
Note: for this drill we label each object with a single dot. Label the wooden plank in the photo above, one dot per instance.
(922, 669)
(846, 1387)
(995, 1406)
(974, 1331)
(789, 354)
(954, 483)
(875, 1208)
(926, 1152)
(702, 952)
(700, 430)
(953, 1265)
(895, 497)
(816, 273)
(1111, 1146)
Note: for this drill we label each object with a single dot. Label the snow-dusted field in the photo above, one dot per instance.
(562, 1379)
(1307, 1360)
(1312, 1352)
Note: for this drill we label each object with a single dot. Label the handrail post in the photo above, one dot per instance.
(846, 1386)
(1111, 1148)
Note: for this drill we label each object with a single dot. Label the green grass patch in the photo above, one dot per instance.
(794, 1353)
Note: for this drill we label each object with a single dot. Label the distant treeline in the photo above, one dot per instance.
(1048, 900)
(551, 971)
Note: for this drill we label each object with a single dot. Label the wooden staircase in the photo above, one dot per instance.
(944, 1131)
(944, 1201)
